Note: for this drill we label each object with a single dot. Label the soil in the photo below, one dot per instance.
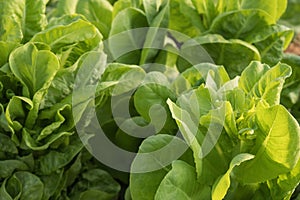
(294, 47)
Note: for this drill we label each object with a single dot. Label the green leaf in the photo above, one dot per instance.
(152, 8)
(185, 19)
(271, 48)
(181, 183)
(251, 75)
(63, 7)
(11, 188)
(206, 9)
(201, 117)
(69, 32)
(198, 74)
(120, 5)
(230, 124)
(226, 6)
(51, 183)
(127, 36)
(129, 135)
(95, 183)
(291, 92)
(152, 163)
(189, 130)
(7, 145)
(23, 19)
(34, 68)
(60, 122)
(157, 14)
(276, 149)
(57, 159)
(262, 82)
(6, 49)
(32, 186)
(241, 24)
(15, 113)
(197, 102)
(273, 8)
(150, 102)
(7, 167)
(120, 78)
(30, 141)
(233, 54)
(284, 186)
(221, 186)
(291, 15)
(61, 87)
(34, 19)
(3, 192)
(98, 12)
(94, 194)
(11, 28)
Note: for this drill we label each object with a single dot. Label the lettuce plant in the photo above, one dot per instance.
(188, 83)
(244, 144)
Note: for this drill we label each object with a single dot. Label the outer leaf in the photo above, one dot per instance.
(150, 101)
(3, 192)
(120, 5)
(233, 54)
(95, 184)
(273, 8)
(34, 19)
(11, 28)
(21, 19)
(264, 83)
(64, 7)
(125, 47)
(120, 78)
(251, 75)
(98, 12)
(16, 114)
(193, 53)
(221, 186)
(207, 9)
(291, 14)
(284, 186)
(54, 160)
(129, 136)
(198, 74)
(272, 47)
(185, 19)
(60, 88)
(241, 24)
(61, 121)
(157, 15)
(51, 184)
(291, 92)
(6, 49)
(7, 167)
(34, 68)
(181, 183)
(277, 148)
(7, 145)
(69, 31)
(37, 146)
(91, 65)
(152, 8)
(189, 131)
(153, 156)
(32, 187)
